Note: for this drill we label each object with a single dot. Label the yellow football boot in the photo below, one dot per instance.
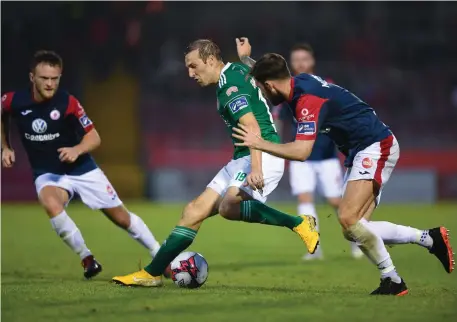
(308, 233)
(140, 278)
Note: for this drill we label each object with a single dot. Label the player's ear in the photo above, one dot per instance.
(211, 60)
(268, 85)
(31, 77)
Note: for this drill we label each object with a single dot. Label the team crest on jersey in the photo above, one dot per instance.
(367, 163)
(55, 115)
(39, 126)
(85, 121)
(306, 128)
(238, 104)
(231, 90)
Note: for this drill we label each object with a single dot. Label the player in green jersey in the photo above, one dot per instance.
(240, 189)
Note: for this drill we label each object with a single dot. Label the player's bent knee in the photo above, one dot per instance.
(52, 205)
(347, 221)
(53, 200)
(229, 210)
(347, 216)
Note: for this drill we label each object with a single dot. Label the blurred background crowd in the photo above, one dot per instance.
(161, 132)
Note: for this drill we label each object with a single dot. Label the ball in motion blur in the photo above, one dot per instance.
(189, 270)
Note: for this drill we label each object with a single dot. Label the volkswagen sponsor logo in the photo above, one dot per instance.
(39, 126)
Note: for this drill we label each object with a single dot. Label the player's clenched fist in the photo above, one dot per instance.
(243, 47)
(8, 158)
(68, 155)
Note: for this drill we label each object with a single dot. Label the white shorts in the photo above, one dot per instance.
(375, 162)
(325, 175)
(93, 187)
(235, 172)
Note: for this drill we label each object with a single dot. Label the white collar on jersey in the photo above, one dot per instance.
(224, 69)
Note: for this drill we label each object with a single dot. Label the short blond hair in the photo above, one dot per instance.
(205, 49)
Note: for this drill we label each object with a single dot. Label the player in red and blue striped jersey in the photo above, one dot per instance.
(371, 151)
(58, 136)
(322, 170)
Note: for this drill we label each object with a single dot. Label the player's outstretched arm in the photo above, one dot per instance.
(244, 48)
(255, 178)
(84, 126)
(91, 140)
(296, 151)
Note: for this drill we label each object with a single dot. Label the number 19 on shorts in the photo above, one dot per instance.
(240, 176)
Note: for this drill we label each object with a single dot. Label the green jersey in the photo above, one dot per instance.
(237, 95)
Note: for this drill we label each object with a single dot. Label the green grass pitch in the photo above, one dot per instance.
(255, 272)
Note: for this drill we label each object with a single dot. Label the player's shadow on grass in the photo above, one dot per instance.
(257, 290)
(248, 290)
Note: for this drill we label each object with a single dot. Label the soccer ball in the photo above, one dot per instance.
(189, 270)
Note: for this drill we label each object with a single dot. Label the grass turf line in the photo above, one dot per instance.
(255, 271)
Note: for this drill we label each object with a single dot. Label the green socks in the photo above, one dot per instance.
(252, 211)
(256, 212)
(179, 239)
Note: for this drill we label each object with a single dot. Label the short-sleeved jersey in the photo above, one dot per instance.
(321, 107)
(47, 126)
(323, 148)
(237, 95)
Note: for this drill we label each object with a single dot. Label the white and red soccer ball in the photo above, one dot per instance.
(189, 270)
